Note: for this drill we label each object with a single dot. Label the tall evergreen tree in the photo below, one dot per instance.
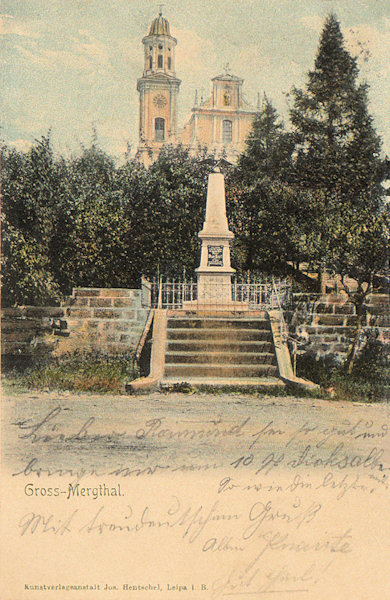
(268, 147)
(337, 146)
(262, 206)
(338, 159)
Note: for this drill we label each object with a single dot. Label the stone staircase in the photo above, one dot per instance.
(220, 350)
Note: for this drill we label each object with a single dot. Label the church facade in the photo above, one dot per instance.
(222, 122)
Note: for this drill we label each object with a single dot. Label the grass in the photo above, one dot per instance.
(81, 372)
(98, 372)
(369, 380)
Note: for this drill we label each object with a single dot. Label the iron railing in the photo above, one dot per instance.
(234, 296)
(284, 334)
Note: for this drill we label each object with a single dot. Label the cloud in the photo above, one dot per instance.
(87, 45)
(193, 53)
(369, 42)
(313, 22)
(83, 53)
(21, 144)
(24, 28)
(252, 55)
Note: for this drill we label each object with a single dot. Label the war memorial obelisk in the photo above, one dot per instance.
(214, 275)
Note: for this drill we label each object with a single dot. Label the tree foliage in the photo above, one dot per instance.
(29, 222)
(86, 222)
(337, 157)
(26, 273)
(313, 195)
(337, 146)
(268, 148)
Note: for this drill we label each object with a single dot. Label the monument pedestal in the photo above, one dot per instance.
(214, 275)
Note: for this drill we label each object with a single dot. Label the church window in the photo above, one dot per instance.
(159, 129)
(160, 47)
(169, 62)
(150, 62)
(160, 61)
(227, 131)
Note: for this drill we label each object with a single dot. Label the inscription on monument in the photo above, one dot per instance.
(215, 256)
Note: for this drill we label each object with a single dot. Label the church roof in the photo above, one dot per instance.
(227, 77)
(159, 26)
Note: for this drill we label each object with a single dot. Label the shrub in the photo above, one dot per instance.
(87, 372)
(370, 377)
(26, 276)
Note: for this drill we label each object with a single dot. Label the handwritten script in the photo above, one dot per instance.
(263, 497)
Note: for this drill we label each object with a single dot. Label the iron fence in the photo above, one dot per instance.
(235, 296)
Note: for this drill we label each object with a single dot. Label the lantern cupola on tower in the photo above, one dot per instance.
(159, 47)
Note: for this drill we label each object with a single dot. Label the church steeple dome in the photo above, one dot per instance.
(159, 26)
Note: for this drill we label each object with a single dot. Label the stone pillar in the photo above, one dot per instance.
(214, 274)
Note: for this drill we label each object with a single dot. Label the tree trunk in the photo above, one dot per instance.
(358, 300)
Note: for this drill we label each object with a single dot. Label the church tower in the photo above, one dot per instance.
(158, 91)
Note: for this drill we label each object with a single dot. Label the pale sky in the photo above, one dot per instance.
(72, 65)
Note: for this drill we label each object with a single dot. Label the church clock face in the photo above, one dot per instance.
(160, 101)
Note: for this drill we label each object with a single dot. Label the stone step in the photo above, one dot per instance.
(219, 370)
(379, 320)
(215, 334)
(334, 308)
(211, 313)
(104, 292)
(24, 335)
(345, 309)
(333, 319)
(335, 346)
(86, 312)
(223, 345)
(330, 329)
(102, 324)
(265, 358)
(217, 323)
(378, 309)
(259, 383)
(20, 325)
(330, 339)
(379, 299)
(101, 302)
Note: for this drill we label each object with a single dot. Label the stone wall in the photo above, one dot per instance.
(112, 320)
(30, 330)
(325, 326)
(108, 320)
